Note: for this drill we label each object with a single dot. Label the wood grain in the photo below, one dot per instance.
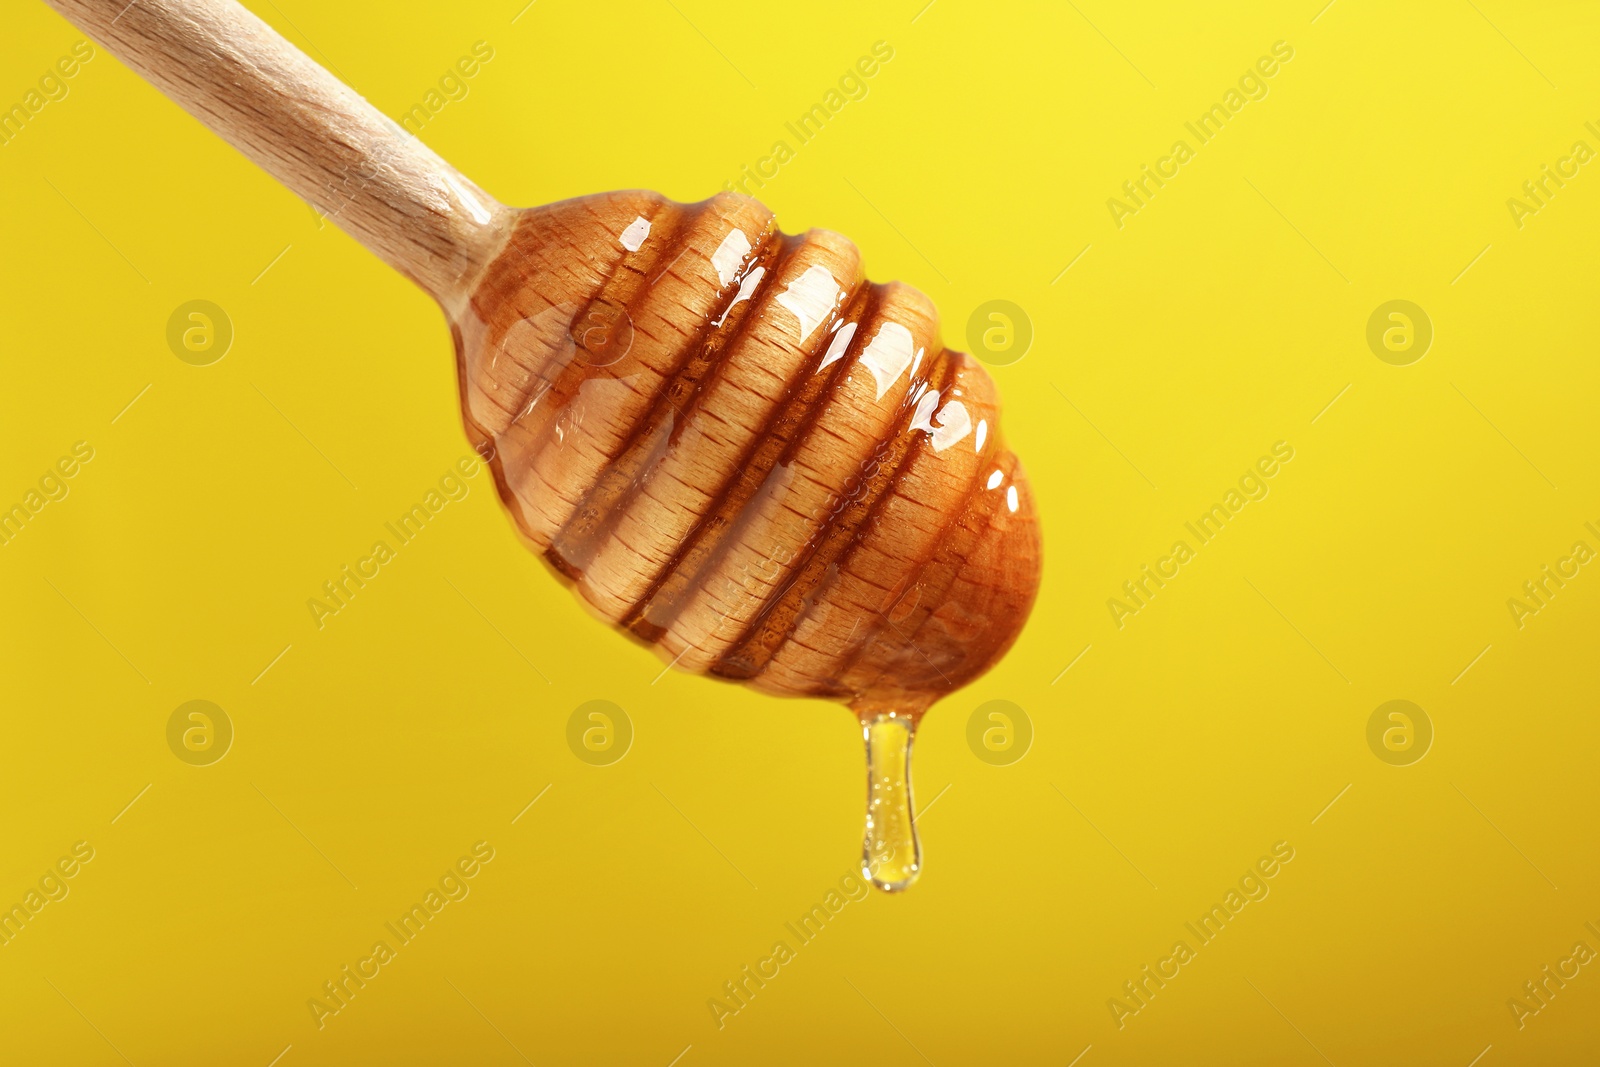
(309, 130)
(733, 445)
(810, 497)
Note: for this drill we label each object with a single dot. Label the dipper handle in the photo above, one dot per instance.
(309, 130)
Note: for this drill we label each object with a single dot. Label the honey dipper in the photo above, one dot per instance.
(731, 444)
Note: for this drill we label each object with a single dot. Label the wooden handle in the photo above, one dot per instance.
(734, 445)
(265, 97)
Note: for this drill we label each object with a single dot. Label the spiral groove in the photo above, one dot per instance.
(742, 451)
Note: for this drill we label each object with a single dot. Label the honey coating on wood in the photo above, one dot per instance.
(734, 446)
(741, 451)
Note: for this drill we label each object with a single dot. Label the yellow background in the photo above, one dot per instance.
(1224, 717)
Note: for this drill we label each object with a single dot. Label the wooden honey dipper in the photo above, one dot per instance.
(731, 444)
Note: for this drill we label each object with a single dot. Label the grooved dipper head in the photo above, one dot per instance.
(743, 452)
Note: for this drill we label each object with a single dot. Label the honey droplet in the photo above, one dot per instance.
(891, 857)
